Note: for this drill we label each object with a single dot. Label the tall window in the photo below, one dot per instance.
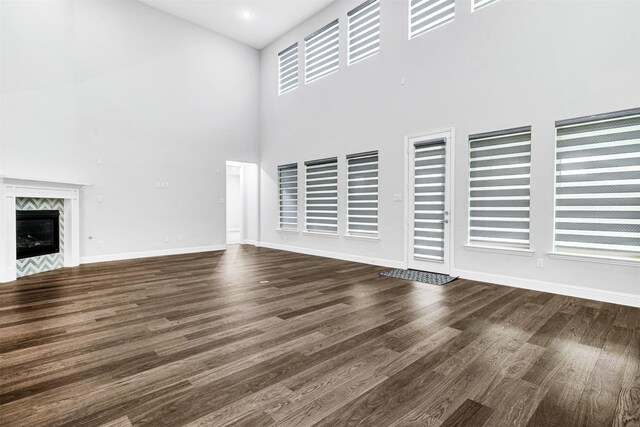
(362, 194)
(288, 69)
(364, 31)
(288, 197)
(597, 186)
(321, 196)
(479, 4)
(322, 52)
(425, 15)
(500, 186)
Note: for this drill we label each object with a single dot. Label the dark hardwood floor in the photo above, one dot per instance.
(199, 340)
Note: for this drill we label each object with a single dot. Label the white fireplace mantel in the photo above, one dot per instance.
(13, 187)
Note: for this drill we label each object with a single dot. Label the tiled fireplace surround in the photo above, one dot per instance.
(15, 190)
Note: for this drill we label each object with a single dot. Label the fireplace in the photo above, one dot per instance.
(37, 233)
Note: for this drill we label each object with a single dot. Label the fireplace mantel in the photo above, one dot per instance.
(12, 187)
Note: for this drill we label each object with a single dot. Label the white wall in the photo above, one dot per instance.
(155, 98)
(512, 64)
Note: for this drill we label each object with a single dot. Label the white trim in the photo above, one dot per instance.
(358, 237)
(335, 255)
(554, 288)
(148, 254)
(251, 242)
(593, 258)
(320, 233)
(284, 230)
(502, 251)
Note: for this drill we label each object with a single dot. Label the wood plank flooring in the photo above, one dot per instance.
(198, 340)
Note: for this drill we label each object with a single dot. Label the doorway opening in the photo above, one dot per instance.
(241, 203)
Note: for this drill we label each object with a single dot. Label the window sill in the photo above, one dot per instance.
(319, 233)
(356, 237)
(594, 258)
(498, 250)
(284, 230)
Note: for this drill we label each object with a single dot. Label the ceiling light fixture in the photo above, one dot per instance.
(246, 15)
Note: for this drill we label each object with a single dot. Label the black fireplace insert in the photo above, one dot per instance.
(37, 233)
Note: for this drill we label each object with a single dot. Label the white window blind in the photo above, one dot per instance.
(479, 4)
(429, 199)
(425, 15)
(597, 188)
(362, 194)
(321, 196)
(364, 31)
(322, 52)
(288, 69)
(500, 188)
(288, 196)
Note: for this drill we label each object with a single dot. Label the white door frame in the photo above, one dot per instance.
(448, 133)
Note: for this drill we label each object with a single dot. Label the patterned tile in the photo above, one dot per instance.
(38, 264)
(419, 276)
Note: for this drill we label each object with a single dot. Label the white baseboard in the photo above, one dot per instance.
(554, 288)
(148, 254)
(335, 255)
(250, 242)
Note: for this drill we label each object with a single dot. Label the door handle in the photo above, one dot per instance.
(444, 221)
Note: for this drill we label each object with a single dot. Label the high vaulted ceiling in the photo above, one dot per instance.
(253, 22)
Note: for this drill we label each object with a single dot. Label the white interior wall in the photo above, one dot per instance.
(512, 64)
(153, 98)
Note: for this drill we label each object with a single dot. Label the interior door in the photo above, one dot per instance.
(429, 206)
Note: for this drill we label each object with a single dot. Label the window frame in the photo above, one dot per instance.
(595, 254)
(284, 167)
(488, 244)
(297, 67)
(319, 162)
(412, 35)
(352, 12)
(355, 233)
(308, 39)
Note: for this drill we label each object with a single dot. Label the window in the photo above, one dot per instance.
(499, 188)
(322, 196)
(288, 197)
(362, 194)
(425, 15)
(322, 52)
(597, 185)
(364, 31)
(479, 4)
(288, 69)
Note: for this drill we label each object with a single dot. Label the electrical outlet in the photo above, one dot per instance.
(99, 199)
(180, 238)
(540, 262)
(100, 243)
(397, 197)
(166, 239)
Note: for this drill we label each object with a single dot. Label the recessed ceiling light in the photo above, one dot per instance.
(246, 14)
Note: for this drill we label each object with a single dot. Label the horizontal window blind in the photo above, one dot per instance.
(288, 69)
(288, 196)
(425, 15)
(322, 52)
(479, 4)
(500, 188)
(597, 185)
(321, 195)
(362, 194)
(364, 31)
(429, 193)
